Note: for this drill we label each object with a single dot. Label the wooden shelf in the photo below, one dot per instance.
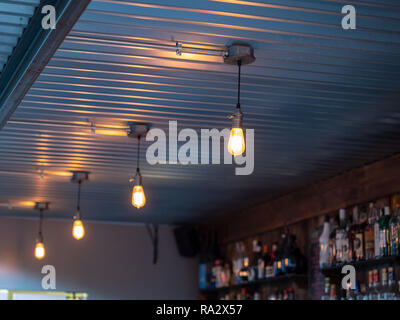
(260, 283)
(361, 265)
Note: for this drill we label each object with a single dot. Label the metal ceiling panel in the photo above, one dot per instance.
(321, 99)
(14, 17)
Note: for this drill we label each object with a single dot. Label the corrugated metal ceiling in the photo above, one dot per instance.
(321, 100)
(14, 17)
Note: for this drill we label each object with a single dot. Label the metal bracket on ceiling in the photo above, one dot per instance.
(242, 52)
(79, 176)
(178, 48)
(153, 233)
(42, 206)
(138, 129)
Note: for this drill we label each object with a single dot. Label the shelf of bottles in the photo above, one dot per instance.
(260, 275)
(369, 241)
(252, 290)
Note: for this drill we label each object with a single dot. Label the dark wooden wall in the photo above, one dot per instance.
(368, 183)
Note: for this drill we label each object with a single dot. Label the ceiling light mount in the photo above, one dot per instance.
(242, 53)
(79, 176)
(137, 130)
(178, 48)
(42, 206)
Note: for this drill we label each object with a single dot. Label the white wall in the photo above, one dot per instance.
(111, 262)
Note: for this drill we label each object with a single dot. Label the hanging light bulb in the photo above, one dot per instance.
(138, 196)
(40, 252)
(238, 53)
(78, 231)
(236, 144)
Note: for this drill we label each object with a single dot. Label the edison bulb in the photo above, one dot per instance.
(138, 197)
(39, 250)
(78, 231)
(236, 143)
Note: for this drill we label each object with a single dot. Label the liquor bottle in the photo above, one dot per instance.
(226, 277)
(236, 265)
(332, 291)
(359, 241)
(262, 263)
(270, 267)
(357, 291)
(394, 231)
(291, 294)
(244, 271)
(244, 295)
(342, 240)
(369, 233)
(285, 294)
(375, 274)
(282, 250)
(384, 232)
(203, 275)
(346, 243)
(213, 277)
(384, 277)
(332, 242)
(277, 263)
(324, 245)
(327, 288)
(352, 230)
(370, 279)
(377, 236)
(291, 256)
(253, 272)
(391, 279)
(217, 273)
(238, 261)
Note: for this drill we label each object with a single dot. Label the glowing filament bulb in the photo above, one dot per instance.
(138, 197)
(39, 250)
(78, 231)
(236, 145)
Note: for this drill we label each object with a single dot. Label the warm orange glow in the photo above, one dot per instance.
(138, 197)
(110, 132)
(39, 250)
(26, 203)
(236, 145)
(112, 126)
(78, 231)
(61, 173)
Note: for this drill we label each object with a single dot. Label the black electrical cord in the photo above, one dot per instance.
(239, 63)
(78, 206)
(40, 225)
(137, 163)
(138, 153)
